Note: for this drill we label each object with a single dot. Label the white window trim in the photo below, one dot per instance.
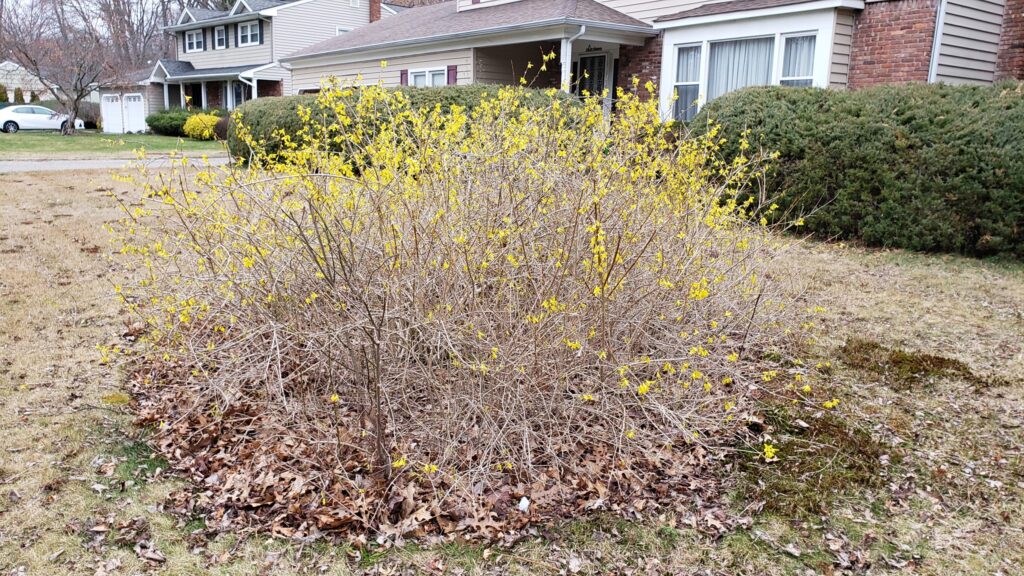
(250, 26)
(220, 30)
(429, 72)
(781, 53)
(700, 76)
(778, 53)
(353, 3)
(197, 46)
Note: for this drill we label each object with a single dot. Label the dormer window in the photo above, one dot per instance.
(220, 38)
(248, 34)
(194, 41)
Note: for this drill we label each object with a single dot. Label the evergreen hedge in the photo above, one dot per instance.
(264, 117)
(924, 167)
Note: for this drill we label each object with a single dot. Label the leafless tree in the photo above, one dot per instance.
(70, 55)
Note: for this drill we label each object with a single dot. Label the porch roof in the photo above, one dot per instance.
(444, 21)
(178, 70)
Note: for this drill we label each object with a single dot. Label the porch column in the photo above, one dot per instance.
(255, 88)
(181, 96)
(565, 56)
(230, 96)
(204, 94)
(167, 97)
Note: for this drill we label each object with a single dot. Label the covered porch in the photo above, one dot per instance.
(586, 59)
(225, 88)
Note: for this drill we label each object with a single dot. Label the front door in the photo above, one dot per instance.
(592, 74)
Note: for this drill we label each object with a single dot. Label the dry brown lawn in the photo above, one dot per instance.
(920, 470)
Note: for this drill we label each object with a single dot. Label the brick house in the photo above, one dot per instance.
(696, 50)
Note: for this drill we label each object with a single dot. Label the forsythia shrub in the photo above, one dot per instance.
(923, 167)
(201, 126)
(457, 304)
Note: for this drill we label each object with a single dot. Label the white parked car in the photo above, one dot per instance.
(32, 117)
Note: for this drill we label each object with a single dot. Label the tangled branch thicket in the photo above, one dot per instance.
(407, 320)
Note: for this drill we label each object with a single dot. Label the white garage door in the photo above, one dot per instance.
(113, 117)
(134, 113)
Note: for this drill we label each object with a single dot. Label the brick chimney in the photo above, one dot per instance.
(374, 10)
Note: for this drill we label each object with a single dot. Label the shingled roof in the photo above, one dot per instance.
(426, 23)
(728, 7)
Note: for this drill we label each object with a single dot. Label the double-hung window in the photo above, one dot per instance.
(798, 60)
(194, 41)
(735, 64)
(220, 38)
(687, 82)
(248, 34)
(428, 78)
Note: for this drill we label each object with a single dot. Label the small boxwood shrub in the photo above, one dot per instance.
(19, 96)
(168, 122)
(172, 122)
(922, 167)
(201, 126)
(264, 117)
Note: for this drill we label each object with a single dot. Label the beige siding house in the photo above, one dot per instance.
(693, 50)
(479, 41)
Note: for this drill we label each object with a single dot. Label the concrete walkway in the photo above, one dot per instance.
(9, 166)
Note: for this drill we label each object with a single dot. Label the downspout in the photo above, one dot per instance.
(566, 54)
(940, 22)
(251, 85)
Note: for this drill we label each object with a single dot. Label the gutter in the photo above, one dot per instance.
(215, 22)
(644, 30)
(940, 23)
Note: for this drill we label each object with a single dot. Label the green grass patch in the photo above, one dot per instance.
(41, 144)
(140, 462)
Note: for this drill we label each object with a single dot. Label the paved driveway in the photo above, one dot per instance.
(8, 166)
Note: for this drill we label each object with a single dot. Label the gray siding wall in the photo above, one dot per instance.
(371, 71)
(232, 55)
(839, 71)
(969, 41)
(302, 26)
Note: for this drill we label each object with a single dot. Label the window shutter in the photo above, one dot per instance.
(183, 46)
(453, 75)
(236, 34)
(204, 31)
(261, 31)
(403, 77)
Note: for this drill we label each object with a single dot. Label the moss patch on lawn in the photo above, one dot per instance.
(825, 460)
(903, 370)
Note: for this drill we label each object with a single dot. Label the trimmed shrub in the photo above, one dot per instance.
(932, 168)
(19, 96)
(168, 122)
(172, 122)
(267, 119)
(200, 126)
(3, 94)
(34, 97)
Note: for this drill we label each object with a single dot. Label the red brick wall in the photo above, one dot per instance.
(892, 42)
(1010, 63)
(643, 62)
